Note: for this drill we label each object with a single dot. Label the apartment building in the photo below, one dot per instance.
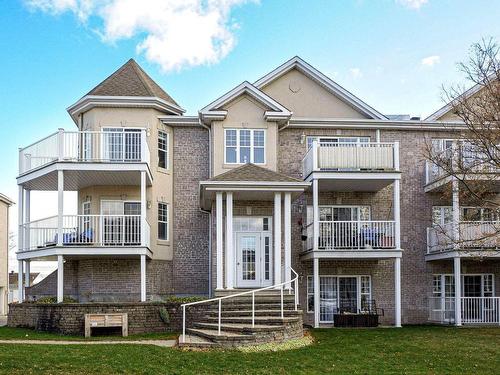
(5, 203)
(289, 175)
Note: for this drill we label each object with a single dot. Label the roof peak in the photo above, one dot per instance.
(130, 79)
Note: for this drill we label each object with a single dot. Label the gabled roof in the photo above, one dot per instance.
(311, 72)
(129, 86)
(254, 173)
(130, 80)
(214, 111)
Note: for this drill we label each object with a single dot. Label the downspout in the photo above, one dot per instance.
(207, 211)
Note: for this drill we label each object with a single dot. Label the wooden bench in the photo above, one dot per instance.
(106, 320)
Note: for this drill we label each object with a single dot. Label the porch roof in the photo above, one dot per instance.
(250, 182)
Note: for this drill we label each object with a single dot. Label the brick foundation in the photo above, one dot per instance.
(69, 318)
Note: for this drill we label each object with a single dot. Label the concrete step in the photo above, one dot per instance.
(268, 320)
(268, 292)
(258, 312)
(245, 305)
(239, 327)
(195, 341)
(225, 336)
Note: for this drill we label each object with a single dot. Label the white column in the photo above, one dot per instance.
(60, 278)
(455, 212)
(288, 238)
(458, 291)
(397, 292)
(20, 218)
(229, 242)
(27, 219)
(143, 208)
(20, 286)
(377, 135)
(277, 238)
(27, 273)
(397, 214)
(219, 240)
(315, 215)
(60, 207)
(143, 278)
(316, 292)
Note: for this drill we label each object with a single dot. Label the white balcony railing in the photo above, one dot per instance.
(362, 156)
(85, 230)
(353, 235)
(462, 159)
(471, 235)
(126, 145)
(475, 310)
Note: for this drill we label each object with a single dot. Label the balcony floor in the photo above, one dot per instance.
(353, 254)
(79, 175)
(464, 253)
(360, 181)
(83, 252)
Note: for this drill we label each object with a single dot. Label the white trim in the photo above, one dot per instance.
(90, 101)
(299, 64)
(354, 175)
(213, 112)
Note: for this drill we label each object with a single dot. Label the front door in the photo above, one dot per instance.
(248, 266)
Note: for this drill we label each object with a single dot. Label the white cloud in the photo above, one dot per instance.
(175, 33)
(356, 73)
(412, 4)
(430, 61)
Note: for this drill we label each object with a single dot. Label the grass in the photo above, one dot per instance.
(410, 350)
(7, 333)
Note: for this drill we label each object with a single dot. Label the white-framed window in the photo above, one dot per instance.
(345, 139)
(121, 144)
(473, 285)
(163, 150)
(86, 216)
(244, 146)
(349, 293)
(163, 221)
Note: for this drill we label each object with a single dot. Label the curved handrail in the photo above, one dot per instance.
(248, 292)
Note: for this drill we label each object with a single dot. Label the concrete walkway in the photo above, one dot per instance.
(162, 343)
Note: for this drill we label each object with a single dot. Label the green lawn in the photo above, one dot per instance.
(410, 350)
(7, 333)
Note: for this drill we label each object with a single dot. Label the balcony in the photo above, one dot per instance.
(85, 235)
(475, 310)
(87, 157)
(351, 165)
(467, 163)
(371, 238)
(472, 235)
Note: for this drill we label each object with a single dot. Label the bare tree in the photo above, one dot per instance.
(473, 161)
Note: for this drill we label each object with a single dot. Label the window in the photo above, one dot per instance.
(162, 221)
(310, 294)
(442, 215)
(86, 217)
(244, 146)
(347, 293)
(163, 150)
(337, 140)
(119, 144)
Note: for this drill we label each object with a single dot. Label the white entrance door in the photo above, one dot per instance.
(248, 266)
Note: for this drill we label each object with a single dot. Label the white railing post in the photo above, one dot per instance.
(458, 291)
(314, 150)
(60, 279)
(220, 313)
(396, 156)
(253, 309)
(296, 292)
(183, 323)
(397, 215)
(219, 240)
(60, 144)
(277, 238)
(143, 208)
(20, 218)
(315, 215)
(20, 285)
(143, 146)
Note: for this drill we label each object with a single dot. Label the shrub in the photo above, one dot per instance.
(52, 299)
(181, 300)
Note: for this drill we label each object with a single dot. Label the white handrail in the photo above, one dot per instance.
(252, 292)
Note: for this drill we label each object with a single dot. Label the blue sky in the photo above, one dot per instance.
(393, 54)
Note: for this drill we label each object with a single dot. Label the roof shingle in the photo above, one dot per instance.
(130, 80)
(252, 172)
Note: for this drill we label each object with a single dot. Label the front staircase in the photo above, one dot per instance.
(238, 328)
